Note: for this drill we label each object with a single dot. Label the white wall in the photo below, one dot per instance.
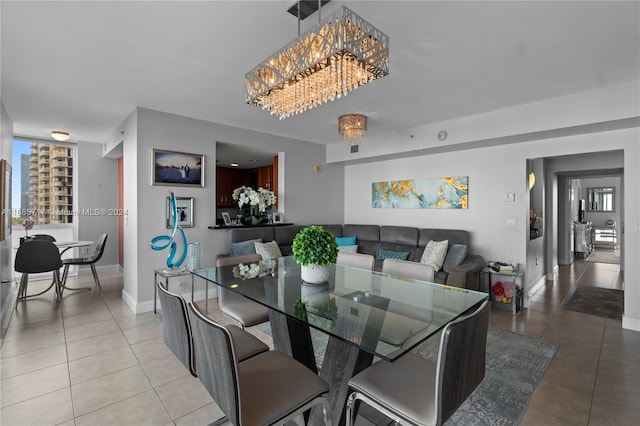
(494, 171)
(6, 152)
(600, 218)
(308, 196)
(96, 179)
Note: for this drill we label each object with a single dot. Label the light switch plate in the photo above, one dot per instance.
(509, 197)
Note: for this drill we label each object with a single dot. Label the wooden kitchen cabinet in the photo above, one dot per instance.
(226, 181)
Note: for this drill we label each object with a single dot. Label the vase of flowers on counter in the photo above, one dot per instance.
(258, 202)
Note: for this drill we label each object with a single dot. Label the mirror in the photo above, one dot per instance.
(601, 199)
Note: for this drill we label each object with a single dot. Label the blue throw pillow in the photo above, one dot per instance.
(346, 241)
(244, 247)
(390, 254)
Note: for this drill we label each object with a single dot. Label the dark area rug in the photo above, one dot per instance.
(515, 366)
(603, 302)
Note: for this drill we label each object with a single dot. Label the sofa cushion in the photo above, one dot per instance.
(368, 237)
(284, 235)
(434, 254)
(244, 247)
(269, 250)
(251, 233)
(346, 241)
(348, 249)
(456, 254)
(390, 254)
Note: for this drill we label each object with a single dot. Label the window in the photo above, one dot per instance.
(42, 182)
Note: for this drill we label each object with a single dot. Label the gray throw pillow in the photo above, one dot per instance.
(244, 247)
(456, 254)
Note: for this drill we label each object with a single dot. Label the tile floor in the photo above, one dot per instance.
(90, 361)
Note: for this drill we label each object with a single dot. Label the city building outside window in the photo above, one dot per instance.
(43, 184)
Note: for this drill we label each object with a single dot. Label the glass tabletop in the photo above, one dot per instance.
(384, 315)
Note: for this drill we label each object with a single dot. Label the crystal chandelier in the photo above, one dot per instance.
(352, 127)
(339, 54)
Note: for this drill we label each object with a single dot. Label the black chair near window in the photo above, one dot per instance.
(416, 391)
(179, 338)
(46, 237)
(80, 261)
(267, 389)
(38, 256)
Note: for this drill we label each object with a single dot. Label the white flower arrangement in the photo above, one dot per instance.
(254, 270)
(259, 200)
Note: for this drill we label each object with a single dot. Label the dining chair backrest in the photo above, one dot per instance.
(97, 253)
(461, 360)
(216, 363)
(177, 327)
(44, 237)
(246, 312)
(37, 256)
(356, 260)
(235, 260)
(408, 269)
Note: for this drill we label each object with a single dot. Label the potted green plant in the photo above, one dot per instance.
(315, 249)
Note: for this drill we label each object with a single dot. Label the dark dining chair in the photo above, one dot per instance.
(416, 391)
(179, 338)
(44, 237)
(89, 260)
(246, 312)
(38, 256)
(267, 389)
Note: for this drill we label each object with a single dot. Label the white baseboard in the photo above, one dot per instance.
(630, 323)
(86, 269)
(147, 306)
(536, 286)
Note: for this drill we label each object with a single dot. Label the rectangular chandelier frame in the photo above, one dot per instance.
(337, 55)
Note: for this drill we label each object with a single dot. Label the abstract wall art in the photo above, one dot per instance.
(431, 193)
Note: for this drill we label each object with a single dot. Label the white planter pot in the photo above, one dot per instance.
(315, 274)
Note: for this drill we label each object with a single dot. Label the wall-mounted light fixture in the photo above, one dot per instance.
(532, 180)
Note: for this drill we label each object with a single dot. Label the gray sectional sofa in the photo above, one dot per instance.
(373, 238)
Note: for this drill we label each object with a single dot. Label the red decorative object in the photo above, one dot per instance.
(498, 290)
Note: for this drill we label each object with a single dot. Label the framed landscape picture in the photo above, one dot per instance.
(174, 168)
(184, 205)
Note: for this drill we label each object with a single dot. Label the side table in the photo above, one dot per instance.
(160, 275)
(517, 299)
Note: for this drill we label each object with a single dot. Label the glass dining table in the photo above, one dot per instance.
(364, 314)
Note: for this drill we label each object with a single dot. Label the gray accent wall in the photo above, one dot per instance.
(307, 196)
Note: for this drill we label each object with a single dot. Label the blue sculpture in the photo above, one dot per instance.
(161, 242)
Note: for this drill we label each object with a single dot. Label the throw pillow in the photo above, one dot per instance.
(244, 247)
(434, 254)
(348, 249)
(390, 254)
(269, 250)
(346, 241)
(456, 254)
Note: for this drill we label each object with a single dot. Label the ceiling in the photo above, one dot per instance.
(84, 66)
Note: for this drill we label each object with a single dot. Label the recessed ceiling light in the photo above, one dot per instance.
(234, 164)
(59, 135)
